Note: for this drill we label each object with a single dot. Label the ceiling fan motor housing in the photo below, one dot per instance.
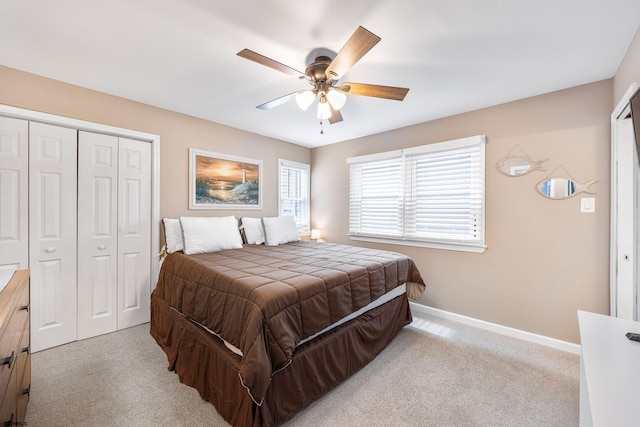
(316, 70)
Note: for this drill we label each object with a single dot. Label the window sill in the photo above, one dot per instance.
(461, 247)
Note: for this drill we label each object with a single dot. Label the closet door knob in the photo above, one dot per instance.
(102, 247)
(51, 250)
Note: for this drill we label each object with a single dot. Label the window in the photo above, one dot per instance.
(294, 193)
(432, 196)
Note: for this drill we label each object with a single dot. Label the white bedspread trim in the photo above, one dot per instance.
(395, 292)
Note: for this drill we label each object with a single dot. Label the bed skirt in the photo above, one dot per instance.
(202, 361)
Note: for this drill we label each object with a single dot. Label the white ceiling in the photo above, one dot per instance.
(455, 56)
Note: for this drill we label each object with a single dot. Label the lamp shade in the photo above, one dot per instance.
(336, 98)
(324, 112)
(315, 234)
(304, 99)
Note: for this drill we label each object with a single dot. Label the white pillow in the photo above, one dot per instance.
(279, 230)
(172, 234)
(253, 231)
(210, 234)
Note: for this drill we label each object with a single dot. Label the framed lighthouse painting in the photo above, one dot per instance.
(221, 181)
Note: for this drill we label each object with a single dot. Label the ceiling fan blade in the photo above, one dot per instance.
(361, 42)
(336, 115)
(377, 91)
(278, 101)
(261, 59)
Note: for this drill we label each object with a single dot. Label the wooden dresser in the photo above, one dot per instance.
(15, 352)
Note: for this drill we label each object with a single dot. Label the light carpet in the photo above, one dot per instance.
(435, 373)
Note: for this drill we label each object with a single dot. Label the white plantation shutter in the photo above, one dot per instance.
(376, 198)
(294, 193)
(444, 198)
(431, 195)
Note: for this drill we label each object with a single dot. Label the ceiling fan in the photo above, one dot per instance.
(323, 75)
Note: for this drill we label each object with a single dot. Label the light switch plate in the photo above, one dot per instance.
(588, 205)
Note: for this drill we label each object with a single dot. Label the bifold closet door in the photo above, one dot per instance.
(134, 232)
(97, 233)
(14, 194)
(52, 234)
(114, 233)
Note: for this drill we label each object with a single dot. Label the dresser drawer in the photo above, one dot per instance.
(15, 354)
(9, 342)
(23, 364)
(8, 412)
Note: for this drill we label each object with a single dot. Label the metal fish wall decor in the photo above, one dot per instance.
(512, 165)
(558, 187)
(563, 188)
(518, 166)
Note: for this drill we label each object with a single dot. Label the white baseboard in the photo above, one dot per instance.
(418, 309)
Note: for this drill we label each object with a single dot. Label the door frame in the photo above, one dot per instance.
(614, 254)
(154, 140)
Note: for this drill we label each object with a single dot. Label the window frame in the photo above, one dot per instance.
(406, 232)
(304, 226)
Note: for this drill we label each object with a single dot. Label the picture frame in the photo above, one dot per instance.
(222, 181)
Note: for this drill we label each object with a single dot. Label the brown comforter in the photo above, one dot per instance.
(265, 300)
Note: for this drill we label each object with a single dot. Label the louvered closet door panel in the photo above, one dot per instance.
(52, 234)
(14, 194)
(134, 236)
(97, 234)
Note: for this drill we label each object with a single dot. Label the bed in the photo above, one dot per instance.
(261, 331)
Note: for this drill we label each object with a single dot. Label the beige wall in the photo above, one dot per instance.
(545, 260)
(628, 71)
(177, 132)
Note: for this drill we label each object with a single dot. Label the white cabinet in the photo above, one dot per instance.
(609, 371)
(77, 211)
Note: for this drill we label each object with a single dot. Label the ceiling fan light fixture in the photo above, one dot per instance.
(324, 111)
(336, 98)
(304, 99)
(324, 72)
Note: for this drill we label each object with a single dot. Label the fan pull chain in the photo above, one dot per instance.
(321, 129)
